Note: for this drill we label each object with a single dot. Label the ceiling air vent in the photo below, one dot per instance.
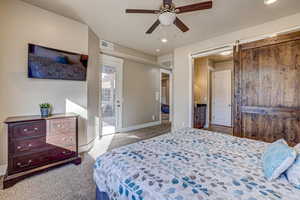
(105, 45)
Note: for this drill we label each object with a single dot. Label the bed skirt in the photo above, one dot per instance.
(101, 195)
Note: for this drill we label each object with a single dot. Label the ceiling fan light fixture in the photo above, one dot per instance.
(167, 18)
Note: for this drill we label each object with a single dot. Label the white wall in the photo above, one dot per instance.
(140, 82)
(93, 88)
(22, 24)
(182, 74)
(166, 61)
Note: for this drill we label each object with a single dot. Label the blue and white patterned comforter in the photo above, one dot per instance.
(189, 164)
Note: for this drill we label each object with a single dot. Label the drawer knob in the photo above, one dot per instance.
(36, 129)
(25, 130)
(25, 165)
(24, 149)
(66, 152)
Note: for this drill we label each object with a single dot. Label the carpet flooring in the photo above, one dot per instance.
(71, 182)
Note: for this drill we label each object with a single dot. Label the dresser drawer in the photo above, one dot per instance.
(63, 153)
(27, 146)
(24, 163)
(62, 140)
(27, 162)
(61, 126)
(28, 129)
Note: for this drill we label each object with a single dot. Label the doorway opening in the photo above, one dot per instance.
(165, 96)
(212, 91)
(111, 95)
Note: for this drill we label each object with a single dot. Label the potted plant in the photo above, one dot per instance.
(45, 109)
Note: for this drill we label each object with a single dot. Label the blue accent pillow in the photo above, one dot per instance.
(293, 173)
(277, 158)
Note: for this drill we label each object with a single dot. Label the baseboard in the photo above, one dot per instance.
(3, 169)
(87, 147)
(136, 127)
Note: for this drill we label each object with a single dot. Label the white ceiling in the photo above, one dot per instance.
(108, 19)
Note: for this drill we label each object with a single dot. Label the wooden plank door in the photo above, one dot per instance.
(267, 89)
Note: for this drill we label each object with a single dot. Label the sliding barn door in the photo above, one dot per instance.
(267, 89)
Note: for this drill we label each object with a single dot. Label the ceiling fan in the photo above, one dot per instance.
(168, 14)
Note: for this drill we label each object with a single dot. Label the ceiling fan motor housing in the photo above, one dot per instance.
(167, 18)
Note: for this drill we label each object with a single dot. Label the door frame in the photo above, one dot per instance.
(191, 66)
(212, 95)
(165, 71)
(118, 63)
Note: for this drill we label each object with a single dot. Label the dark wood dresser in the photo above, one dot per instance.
(37, 144)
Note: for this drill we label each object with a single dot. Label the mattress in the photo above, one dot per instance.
(189, 164)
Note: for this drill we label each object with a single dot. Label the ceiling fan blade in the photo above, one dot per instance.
(181, 25)
(153, 27)
(169, 2)
(195, 7)
(141, 11)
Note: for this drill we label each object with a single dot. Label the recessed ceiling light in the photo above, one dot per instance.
(268, 2)
(226, 53)
(164, 40)
(157, 50)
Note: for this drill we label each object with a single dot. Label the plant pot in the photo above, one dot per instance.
(45, 112)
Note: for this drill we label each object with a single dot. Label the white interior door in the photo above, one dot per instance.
(111, 95)
(221, 98)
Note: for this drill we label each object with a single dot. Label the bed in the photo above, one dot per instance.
(188, 164)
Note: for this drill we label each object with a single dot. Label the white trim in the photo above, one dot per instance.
(3, 170)
(208, 52)
(136, 127)
(170, 93)
(87, 147)
(118, 63)
(191, 92)
(192, 58)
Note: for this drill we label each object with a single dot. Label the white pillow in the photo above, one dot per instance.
(293, 173)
